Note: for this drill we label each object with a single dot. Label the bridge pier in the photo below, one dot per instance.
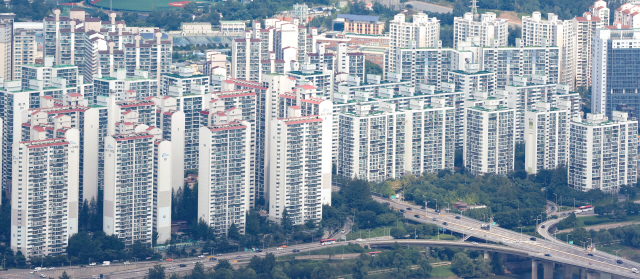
(583, 273)
(534, 269)
(486, 255)
(548, 270)
(568, 272)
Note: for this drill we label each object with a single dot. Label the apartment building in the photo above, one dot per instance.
(358, 24)
(557, 33)
(163, 173)
(429, 65)
(128, 185)
(388, 142)
(584, 29)
(139, 86)
(627, 14)
(507, 62)
(241, 106)
(299, 167)
(525, 92)
(224, 174)
(424, 31)
(547, 136)
(47, 74)
(489, 29)
(245, 59)
(615, 56)
(599, 9)
(602, 152)
(489, 142)
(44, 200)
(25, 49)
(472, 80)
(322, 80)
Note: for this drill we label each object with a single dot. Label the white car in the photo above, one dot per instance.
(342, 231)
(32, 271)
(92, 264)
(634, 270)
(52, 268)
(470, 228)
(359, 239)
(474, 243)
(127, 263)
(201, 256)
(172, 268)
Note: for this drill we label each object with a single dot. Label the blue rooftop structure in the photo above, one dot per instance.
(360, 18)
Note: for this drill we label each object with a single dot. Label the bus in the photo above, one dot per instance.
(373, 254)
(327, 241)
(586, 208)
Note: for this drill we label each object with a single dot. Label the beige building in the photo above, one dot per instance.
(585, 28)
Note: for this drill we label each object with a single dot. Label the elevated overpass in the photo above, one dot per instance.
(540, 250)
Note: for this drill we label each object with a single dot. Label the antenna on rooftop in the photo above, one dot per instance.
(474, 7)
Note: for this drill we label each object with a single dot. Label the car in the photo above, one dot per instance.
(359, 239)
(542, 226)
(444, 223)
(147, 272)
(238, 256)
(212, 259)
(437, 210)
(435, 219)
(170, 259)
(402, 211)
(81, 265)
(532, 239)
(408, 208)
(422, 207)
(182, 265)
(283, 246)
(457, 217)
(417, 216)
(201, 256)
(296, 250)
(634, 270)
(196, 262)
(259, 250)
(591, 255)
(42, 275)
(128, 263)
(32, 271)
(517, 240)
(547, 255)
(342, 231)
(92, 264)
(377, 238)
(218, 255)
(619, 261)
(279, 248)
(470, 228)
(474, 243)
(172, 268)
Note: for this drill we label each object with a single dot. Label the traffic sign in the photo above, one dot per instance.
(494, 223)
(344, 237)
(571, 242)
(393, 197)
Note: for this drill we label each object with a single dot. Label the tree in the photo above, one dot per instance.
(398, 232)
(64, 276)
(372, 68)
(233, 232)
(462, 265)
(286, 222)
(157, 272)
(222, 264)
(198, 271)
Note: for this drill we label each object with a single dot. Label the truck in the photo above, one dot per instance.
(106, 263)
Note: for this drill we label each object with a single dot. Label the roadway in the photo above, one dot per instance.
(539, 248)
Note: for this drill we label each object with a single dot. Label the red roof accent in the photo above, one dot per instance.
(212, 129)
(47, 97)
(287, 96)
(133, 138)
(136, 105)
(308, 87)
(295, 107)
(231, 108)
(168, 113)
(75, 95)
(48, 144)
(38, 128)
(310, 101)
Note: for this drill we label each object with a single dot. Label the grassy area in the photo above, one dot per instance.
(377, 232)
(337, 250)
(445, 237)
(140, 5)
(565, 208)
(580, 221)
(442, 272)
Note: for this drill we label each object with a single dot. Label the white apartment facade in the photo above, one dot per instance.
(547, 136)
(424, 31)
(44, 200)
(602, 152)
(489, 142)
(489, 29)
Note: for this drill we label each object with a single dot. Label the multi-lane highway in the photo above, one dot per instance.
(545, 249)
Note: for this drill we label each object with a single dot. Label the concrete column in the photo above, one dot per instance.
(583, 273)
(568, 272)
(534, 269)
(593, 275)
(548, 270)
(486, 255)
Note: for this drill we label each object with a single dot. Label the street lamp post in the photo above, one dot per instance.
(520, 233)
(568, 237)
